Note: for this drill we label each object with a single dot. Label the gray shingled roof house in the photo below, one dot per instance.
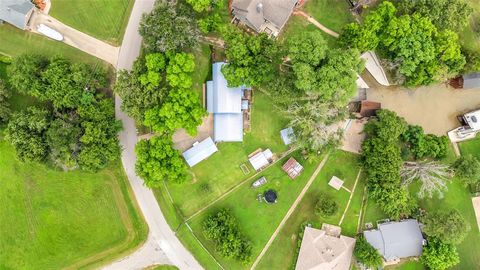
(267, 16)
(397, 240)
(16, 12)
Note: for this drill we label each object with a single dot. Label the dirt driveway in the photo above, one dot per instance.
(183, 141)
(76, 38)
(434, 107)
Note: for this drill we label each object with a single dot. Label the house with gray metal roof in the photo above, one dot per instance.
(199, 151)
(397, 240)
(16, 12)
(225, 103)
(267, 16)
(471, 81)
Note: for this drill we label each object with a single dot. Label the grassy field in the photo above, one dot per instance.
(52, 219)
(342, 164)
(221, 171)
(258, 220)
(103, 19)
(14, 42)
(471, 147)
(203, 66)
(333, 14)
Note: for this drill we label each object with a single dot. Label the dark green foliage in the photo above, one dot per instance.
(473, 61)
(366, 254)
(83, 130)
(449, 226)
(468, 169)
(307, 47)
(425, 145)
(252, 59)
(383, 161)
(421, 53)
(26, 132)
(170, 27)
(326, 206)
(141, 89)
(438, 255)
(25, 74)
(158, 161)
(4, 102)
(212, 22)
(222, 228)
(444, 14)
(181, 109)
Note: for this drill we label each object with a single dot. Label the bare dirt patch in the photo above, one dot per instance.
(434, 107)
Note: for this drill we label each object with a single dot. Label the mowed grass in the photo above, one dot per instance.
(203, 66)
(333, 14)
(281, 254)
(102, 19)
(14, 42)
(220, 172)
(53, 220)
(297, 25)
(258, 220)
(471, 147)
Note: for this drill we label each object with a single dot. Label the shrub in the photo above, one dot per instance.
(449, 226)
(366, 254)
(222, 228)
(439, 256)
(326, 206)
(468, 169)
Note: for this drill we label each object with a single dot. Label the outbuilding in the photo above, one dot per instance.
(200, 151)
(292, 168)
(16, 12)
(260, 159)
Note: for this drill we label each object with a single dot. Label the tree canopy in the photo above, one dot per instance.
(4, 102)
(252, 59)
(420, 53)
(467, 167)
(170, 27)
(158, 161)
(444, 14)
(449, 226)
(80, 130)
(439, 255)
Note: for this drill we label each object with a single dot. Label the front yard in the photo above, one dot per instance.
(102, 19)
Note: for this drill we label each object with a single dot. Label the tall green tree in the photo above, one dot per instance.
(252, 59)
(449, 226)
(444, 14)
(158, 161)
(179, 70)
(138, 90)
(169, 28)
(25, 74)
(62, 138)
(26, 132)
(467, 168)
(307, 47)
(182, 109)
(438, 255)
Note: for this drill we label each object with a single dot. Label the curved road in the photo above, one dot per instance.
(162, 246)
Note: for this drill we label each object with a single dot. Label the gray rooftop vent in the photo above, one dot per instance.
(474, 119)
(259, 7)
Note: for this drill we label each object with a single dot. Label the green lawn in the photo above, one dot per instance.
(103, 19)
(14, 42)
(203, 66)
(297, 24)
(258, 220)
(221, 171)
(342, 164)
(333, 14)
(52, 219)
(471, 147)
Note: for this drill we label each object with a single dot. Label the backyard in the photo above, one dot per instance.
(102, 19)
(341, 164)
(470, 36)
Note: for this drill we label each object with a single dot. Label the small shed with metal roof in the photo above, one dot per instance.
(200, 151)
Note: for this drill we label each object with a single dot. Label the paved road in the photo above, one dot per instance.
(161, 242)
(77, 39)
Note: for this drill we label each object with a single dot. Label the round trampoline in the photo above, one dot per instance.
(270, 196)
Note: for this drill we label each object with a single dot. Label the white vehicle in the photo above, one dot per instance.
(49, 32)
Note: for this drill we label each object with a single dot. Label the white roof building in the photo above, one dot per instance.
(200, 151)
(226, 105)
(473, 120)
(261, 159)
(321, 251)
(288, 135)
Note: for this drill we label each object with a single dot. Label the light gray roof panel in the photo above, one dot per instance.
(14, 12)
(200, 152)
(228, 127)
(471, 81)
